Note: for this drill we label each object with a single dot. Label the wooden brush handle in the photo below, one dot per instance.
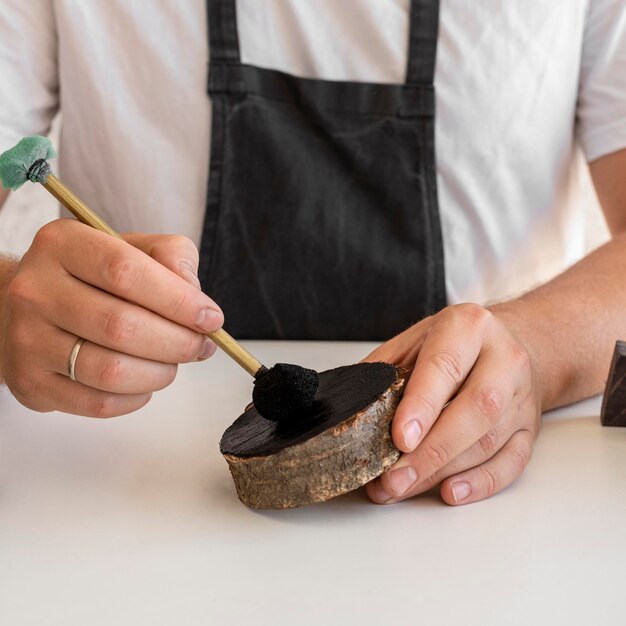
(76, 206)
(85, 215)
(236, 352)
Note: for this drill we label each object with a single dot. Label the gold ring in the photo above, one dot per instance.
(71, 367)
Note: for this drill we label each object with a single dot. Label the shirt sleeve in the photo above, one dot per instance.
(29, 85)
(601, 112)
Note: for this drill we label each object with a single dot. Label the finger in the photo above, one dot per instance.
(54, 392)
(104, 369)
(472, 458)
(522, 410)
(479, 406)
(114, 372)
(446, 357)
(486, 447)
(493, 475)
(103, 319)
(126, 272)
(179, 254)
(377, 494)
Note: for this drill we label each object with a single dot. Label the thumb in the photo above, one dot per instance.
(176, 252)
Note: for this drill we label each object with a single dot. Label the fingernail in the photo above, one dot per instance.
(209, 320)
(189, 273)
(460, 491)
(207, 350)
(411, 434)
(380, 495)
(401, 480)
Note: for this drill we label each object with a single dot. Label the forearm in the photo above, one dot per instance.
(569, 326)
(8, 268)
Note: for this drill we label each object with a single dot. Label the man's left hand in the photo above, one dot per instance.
(471, 408)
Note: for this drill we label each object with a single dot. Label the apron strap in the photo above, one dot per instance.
(223, 39)
(423, 34)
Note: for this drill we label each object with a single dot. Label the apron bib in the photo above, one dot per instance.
(322, 219)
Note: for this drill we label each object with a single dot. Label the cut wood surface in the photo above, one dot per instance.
(343, 443)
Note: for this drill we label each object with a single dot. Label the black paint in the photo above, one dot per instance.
(285, 391)
(613, 411)
(342, 392)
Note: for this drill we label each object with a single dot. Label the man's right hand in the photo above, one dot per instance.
(138, 307)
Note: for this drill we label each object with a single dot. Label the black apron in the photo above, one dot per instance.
(322, 219)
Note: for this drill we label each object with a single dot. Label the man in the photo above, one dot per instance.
(327, 215)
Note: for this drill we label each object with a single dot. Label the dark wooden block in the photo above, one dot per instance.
(614, 402)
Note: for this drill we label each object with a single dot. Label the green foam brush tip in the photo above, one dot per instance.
(28, 160)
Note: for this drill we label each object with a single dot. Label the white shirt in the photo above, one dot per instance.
(521, 86)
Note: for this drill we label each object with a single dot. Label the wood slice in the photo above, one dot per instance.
(341, 444)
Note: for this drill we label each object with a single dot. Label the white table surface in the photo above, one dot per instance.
(135, 521)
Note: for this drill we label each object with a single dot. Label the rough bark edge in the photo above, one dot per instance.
(334, 462)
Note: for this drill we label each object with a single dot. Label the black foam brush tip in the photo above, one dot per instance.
(284, 391)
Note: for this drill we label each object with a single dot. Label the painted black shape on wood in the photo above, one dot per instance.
(342, 392)
(614, 402)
